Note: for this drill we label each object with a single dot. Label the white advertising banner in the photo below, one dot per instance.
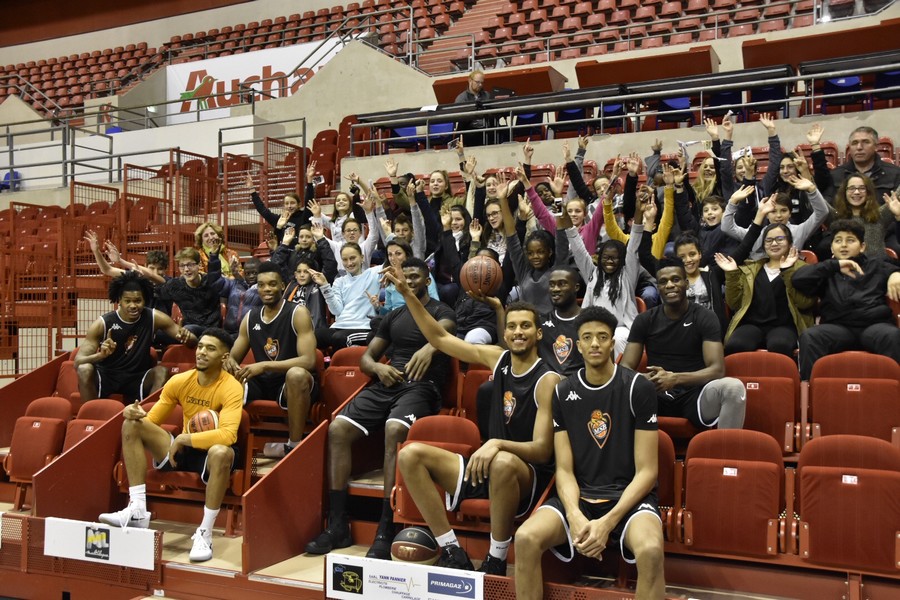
(196, 84)
(354, 577)
(94, 542)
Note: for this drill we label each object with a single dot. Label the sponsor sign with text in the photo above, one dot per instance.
(95, 542)
(353, 577)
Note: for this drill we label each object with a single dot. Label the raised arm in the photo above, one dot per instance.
(437, 335)
(771, 176)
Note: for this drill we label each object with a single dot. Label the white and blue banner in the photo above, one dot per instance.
(354, 577)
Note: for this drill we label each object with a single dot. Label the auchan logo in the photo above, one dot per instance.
(209, 91)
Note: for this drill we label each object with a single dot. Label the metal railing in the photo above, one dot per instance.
(636, 103)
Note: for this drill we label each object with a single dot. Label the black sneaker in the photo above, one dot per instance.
(454, 557)
(381, 547)
(493, 566)
(334, 537)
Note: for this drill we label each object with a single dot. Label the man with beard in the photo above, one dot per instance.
(512, 467)
(212, 453)
(685, 356)
(280, 334)
(114, 357)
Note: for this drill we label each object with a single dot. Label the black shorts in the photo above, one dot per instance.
(566, 552)
(272, 388)
(194, 461)
(540, 478)
(129, 384)
(404, 402)
(684, 404)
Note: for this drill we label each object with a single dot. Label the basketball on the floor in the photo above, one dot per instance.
(481, 274)
(205, 420)
(415, 545)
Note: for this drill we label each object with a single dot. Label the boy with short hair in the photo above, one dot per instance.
(854, 312)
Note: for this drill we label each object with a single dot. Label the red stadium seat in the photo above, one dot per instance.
(847, 492)
(733, 493)
(92, 415)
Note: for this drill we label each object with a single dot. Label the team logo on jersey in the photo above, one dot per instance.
(548, 323)
(257, 327)
(573, 395)
(509, 405)
(271, 348)
(562, 348)
(599, 426)
(114, 326)
(130, 342)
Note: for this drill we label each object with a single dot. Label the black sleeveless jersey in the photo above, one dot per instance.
(557, 346)
(275, 339)
(133, 340)
(601, 422)
(514, 405)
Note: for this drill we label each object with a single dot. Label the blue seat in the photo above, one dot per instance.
(439, 134)
(614, 119)
(529, 125)
(12, 181)
(673, 110)
(842, 85)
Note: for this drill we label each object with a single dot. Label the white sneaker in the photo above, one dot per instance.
(130, 516)
(276, 450)
(202, 548)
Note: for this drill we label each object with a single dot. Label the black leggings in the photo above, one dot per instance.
(749, 338)
(326, 338)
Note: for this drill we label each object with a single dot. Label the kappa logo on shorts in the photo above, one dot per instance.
(509, 405)
(562, 348)
(599, 426)
(271, 348)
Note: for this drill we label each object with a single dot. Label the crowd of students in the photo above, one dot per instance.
(678, 267)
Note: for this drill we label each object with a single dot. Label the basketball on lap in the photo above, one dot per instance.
(205, 420)
(481, 274)
(415, 545)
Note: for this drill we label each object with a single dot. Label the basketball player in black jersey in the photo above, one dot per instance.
(605, 440)
(280, 334)
(114, 357)
(511, 468)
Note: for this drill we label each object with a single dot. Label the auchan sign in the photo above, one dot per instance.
(215, 84)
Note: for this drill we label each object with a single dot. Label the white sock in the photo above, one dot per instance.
(209, 518)
(499, 549)
(448, 539)
(137, 495)
(292, 444)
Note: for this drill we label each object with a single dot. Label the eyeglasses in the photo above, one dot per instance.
(856, 188)
(779, 239)
(185, 266)
(494, 214)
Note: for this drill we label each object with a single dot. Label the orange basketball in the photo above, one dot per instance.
(481, 274)
(205, 420)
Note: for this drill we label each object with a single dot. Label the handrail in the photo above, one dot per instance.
(427, 118)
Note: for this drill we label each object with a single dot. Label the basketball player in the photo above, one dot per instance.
(212, 454)
(405, 390)
(280, 334)
(685, 356)
(605, 415)
(511, 468)
(114, 357)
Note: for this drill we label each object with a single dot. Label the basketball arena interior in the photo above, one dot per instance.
(139, 121)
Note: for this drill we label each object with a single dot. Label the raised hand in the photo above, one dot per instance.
(802, 184)
(893, 204)
(528, 151)
(563, 220)
(742, 193)
(802, 166)
(107, 347)
(583, 142)
(525, 211)
(634, 164)
(310, 171)
(353, 178)
(315, 208)
(368, 203)
(788, 260)
(386, 227)
(318, 277)
(726, 263)
(749, 166)
(617, 167)
(727, 127)
(445, 219)
(656, 146)
(520, 174)
(475, 229)
(712, 129)
(814, 135)
(288, 236)
(91, 238)
(469, 167)
(766, 206)
(391, 166)
(248, 181)
(317, 230)
(567, 153)
(767, 121)
(558, 183)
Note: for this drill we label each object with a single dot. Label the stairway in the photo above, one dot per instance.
(473, 21)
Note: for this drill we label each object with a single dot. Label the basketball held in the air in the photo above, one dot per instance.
(481, 275)
(415, 545)
(205, 420)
